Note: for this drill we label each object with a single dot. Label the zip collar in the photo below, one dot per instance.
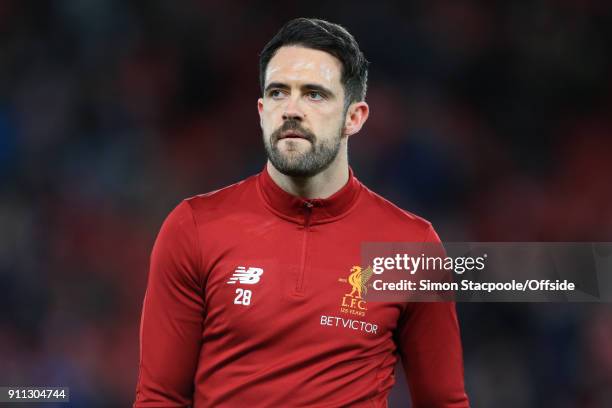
(308, 211)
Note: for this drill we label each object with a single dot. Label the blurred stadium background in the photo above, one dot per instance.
(491, 119)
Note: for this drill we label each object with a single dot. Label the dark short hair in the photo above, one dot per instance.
(324, 36)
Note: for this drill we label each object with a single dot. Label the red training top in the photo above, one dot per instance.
(250, 304)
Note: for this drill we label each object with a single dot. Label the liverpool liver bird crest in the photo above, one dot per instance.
(358, 279)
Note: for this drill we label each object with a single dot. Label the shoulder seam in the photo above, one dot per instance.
(219, 190)
(198, 244)
(428, 229)
(394, 207)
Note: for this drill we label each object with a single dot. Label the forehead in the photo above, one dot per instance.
(295, 63)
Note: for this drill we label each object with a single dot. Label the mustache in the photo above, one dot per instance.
(292, 125)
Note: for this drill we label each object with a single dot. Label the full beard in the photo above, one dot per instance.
(302, 164)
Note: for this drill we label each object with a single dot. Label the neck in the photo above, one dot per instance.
(321, 185)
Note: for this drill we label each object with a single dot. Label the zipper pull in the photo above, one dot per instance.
(308, 209)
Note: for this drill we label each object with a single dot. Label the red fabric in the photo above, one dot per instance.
(288, 346)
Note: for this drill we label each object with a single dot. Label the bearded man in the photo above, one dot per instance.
(249, 301)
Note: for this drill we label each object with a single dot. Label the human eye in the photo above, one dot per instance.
(315, 95)
(275, 93)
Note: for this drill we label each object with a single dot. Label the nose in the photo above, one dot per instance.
(292, 110)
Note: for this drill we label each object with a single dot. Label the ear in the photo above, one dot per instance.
(260, 110)
(356, 116)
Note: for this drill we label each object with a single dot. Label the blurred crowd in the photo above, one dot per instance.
(491, 119)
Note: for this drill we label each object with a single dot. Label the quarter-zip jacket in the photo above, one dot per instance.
(248, 304)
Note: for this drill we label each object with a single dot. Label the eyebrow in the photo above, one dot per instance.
(305, 87)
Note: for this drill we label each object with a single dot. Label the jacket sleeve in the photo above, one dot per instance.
(172, 315)
(430, 348)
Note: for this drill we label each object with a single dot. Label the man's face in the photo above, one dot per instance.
(302, 110)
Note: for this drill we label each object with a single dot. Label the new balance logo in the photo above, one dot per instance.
(246, 276)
